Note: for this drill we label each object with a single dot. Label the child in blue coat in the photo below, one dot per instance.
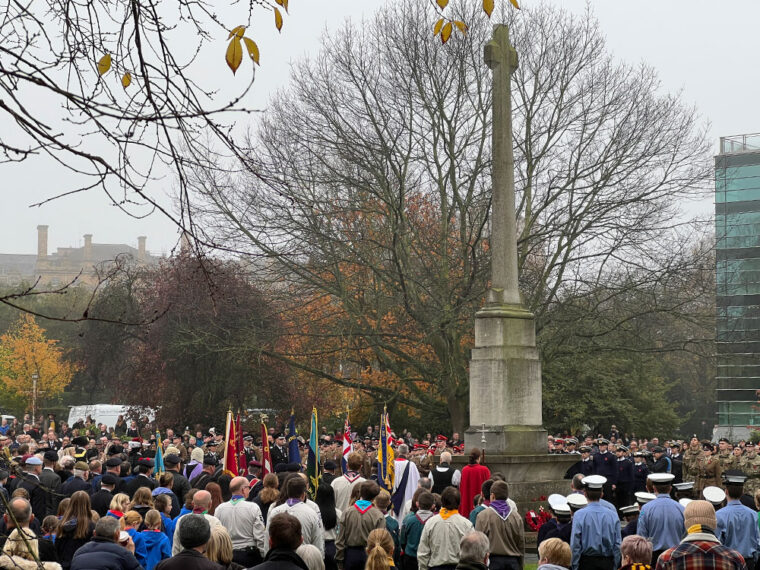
(157, 544)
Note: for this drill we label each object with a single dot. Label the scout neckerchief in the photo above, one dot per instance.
(236, 499)
(352, 476)
(363, 506)
(446, 513)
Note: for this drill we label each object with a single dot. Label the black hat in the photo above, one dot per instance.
(50, 455)
(293, 467)
(622, 448)
(603, 441)
(330, 464)
(114, 462)
(146, 462)
(109, 479)
(724, 439)
(212, 444)
(248, 438)
(734, 477)
(584, 449)
(280, 435)
(280, 468)
(172, 459)
(209, 459)
(658, 449)
(80, 441)
(115, 449)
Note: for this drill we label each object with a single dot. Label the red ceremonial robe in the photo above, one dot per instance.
(473, 477)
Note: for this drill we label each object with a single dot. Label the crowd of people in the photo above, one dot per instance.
(89, 496)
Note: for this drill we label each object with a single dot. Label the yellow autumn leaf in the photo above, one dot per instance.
(234, 54)
(461, 25)
(126, 79)
(514, 3)
(104, 64)
(283, 3)
(237, 31)
(438, 26)
(446, 32)
(278, 19)
(442, 3)
(488, 7)
(253, 49)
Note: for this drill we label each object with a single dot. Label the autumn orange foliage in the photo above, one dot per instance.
(25, 351)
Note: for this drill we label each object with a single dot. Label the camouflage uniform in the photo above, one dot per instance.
(750, 465)
(693, 458)
(711, 473)
(727, 460)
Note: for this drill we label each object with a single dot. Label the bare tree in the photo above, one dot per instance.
(377, 193)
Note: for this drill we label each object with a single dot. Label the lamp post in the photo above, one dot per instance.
(35, 377)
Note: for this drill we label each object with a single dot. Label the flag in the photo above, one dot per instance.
(230, 447)
(158, 460)
(266, 456)
(241, 458)
(294, 454)
(312, 463)
(385, 456)
(346, 444)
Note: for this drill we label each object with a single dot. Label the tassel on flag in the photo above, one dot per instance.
(266, 455)
(230, 447)
(158, 460)
(385, 455)
(312, 463)
(346, 444)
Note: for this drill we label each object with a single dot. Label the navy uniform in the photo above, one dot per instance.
(677, 462)
(595, 536)
(624, 485)
(585, 466)
(605, 465)
(737, 524)
(661, 520)
(640, 473)
(631, 515)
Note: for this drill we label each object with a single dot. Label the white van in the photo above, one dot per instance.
(105, 413)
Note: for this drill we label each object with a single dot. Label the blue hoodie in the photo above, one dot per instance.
(157, 547)
(168, 526)
(141, 552)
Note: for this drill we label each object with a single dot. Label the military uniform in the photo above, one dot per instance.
(710, 475)
(692, 465)
(727, 460)
(750, 466)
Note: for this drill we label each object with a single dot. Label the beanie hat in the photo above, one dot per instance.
(699, 513)
(197, 455)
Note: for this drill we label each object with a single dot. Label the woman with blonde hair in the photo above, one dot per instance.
(219, 548)
(119, 505)
(379, 550)
(554, 554)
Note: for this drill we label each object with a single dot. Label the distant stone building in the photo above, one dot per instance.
(68, 263)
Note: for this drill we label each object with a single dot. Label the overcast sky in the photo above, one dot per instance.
(707, 50)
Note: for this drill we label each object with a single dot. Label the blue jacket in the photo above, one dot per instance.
(103, 554)
(141, 552)
(157, 547)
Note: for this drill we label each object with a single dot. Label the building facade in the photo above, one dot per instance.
(737, 233)
(78, 265)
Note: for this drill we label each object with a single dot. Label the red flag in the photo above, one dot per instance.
(266, 456)
(242, 463)
(230, 452)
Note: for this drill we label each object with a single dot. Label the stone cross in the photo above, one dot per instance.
(501, 57)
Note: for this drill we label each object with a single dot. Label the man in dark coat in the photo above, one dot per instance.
(79, 481)
(103, 551)
(101, 499)
(181, 485)
(30, 481)
(284, 538)
(209, 469)
(279, 451)
(194, 534)
(50, 481)
(144, 469)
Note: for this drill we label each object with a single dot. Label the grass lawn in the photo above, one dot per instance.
(530, 566)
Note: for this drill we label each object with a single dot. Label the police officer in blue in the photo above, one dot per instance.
(661, 520)
(595, 536)
(737, 524)
(605, 464)
(624, 485)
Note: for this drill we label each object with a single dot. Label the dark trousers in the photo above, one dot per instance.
(443, 567)
(596, 563)
(355, 559)
(503, 562)
(248, 557)
(330, 563)
(655, 556)
(409, 562)
(750, 562)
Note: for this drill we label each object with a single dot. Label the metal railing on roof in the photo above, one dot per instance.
(740, 143)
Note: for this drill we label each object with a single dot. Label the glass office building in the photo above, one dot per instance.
(737, 232)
